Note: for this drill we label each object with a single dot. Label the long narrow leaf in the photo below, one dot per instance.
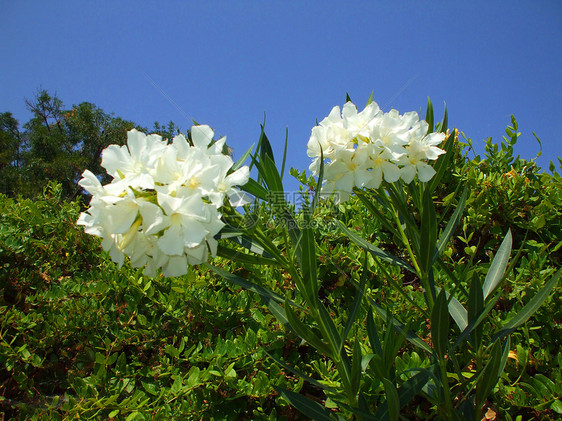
(373, 335)
(265, 147)
(392, 399)
(295, 234)
(475, 323)
(375, 251)
(245, 258)
(429, 117)
(411, 388)
(329, 327)
(442, 164)
(451, 225)
(440, 324)
(308, 261)
(497, 268)
(356, 365)
(458, 313)
(305, 332)
(523, 315)
(428, 232)
(255, 189)
(475, 308)
(400, 328)
(489, 375)
(278, 311)
(250, 244)
(242, 159)
(241, 282)
(284, 153)
(270, 174)
(376, 213)
(308, 407)
(445, 123)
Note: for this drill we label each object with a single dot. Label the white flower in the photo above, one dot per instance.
(361, 149)
(357, 124)
(162, 207)
(134, 162)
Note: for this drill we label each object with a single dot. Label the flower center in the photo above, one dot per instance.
(194, 183)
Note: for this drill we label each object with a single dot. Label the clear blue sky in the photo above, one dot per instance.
(226, 63)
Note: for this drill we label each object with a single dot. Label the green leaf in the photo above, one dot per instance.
(375, 251)
(428, 232)
(523, 315)
(242, 159)
(440, 324)
(457, 312)
(445, 122)
(505, 356)
(100, 359)
(241, 282)
(300, 373)
(556, 406)
(133, 415)
(392, 399)
(284, 153)
(370, 99)
(150, 388)
(475, 308)
(308, 407)
(356, 364)
(266, 151)
(429, 116)
(237, 235)
(255, 189)
(329, 328)
(375, 212)
(278, 311)
(489, 377)
(244, 258)
(356, 302)
(373, 335)
(409, 389)
(443, 163)
(400, 328)
(497, 268)
(273, 180)
(113, 413)
(475, 323)
(305, 332)
(451, 225)
(308, 261)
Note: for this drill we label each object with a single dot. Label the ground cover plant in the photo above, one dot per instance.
(414, 299)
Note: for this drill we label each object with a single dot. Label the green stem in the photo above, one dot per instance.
(446, 389)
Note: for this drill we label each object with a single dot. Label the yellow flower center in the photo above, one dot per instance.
(193, 183)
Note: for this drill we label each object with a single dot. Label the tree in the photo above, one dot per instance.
(55, 145)
(58, 145)
(10, 153)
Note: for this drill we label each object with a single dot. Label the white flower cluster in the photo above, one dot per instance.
(363, 148)
(161, 208)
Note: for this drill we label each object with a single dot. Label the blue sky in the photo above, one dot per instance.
(226, 63)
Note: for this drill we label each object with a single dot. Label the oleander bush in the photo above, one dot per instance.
(81, 337)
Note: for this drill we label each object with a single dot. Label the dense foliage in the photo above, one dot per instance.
(81, 337)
